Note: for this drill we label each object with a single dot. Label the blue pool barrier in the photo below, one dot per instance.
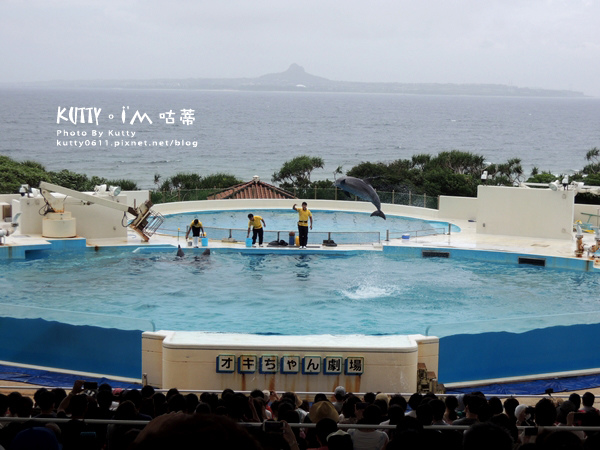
(471, 357)
(80, 348)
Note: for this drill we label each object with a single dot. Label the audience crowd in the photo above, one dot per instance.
(145, 419)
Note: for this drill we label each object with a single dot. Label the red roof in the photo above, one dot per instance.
(252, 189)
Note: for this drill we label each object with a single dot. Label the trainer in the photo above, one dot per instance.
(195, 227)
(256, 223)
(304, 215)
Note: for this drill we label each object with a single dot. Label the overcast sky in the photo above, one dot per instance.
(550, 44)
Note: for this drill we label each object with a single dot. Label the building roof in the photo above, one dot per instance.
(252, 189)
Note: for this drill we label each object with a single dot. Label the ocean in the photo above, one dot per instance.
(254, 133)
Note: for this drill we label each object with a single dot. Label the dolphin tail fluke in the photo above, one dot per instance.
(379, 213)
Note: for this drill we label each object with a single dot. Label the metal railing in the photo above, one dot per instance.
(341, 426)
(339, 237)
(395, 198)
(239, 235)
(417, 233)
(305, 394)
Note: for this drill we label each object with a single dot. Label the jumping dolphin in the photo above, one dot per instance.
(361, 189)
(180, 252)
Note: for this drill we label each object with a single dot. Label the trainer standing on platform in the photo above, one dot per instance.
(254, 222)
(196, 228)
(304, 215)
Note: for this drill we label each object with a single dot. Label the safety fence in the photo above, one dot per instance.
(311, 394)
(277, 236)
(395, 198)
(529, 430)
(417, 233)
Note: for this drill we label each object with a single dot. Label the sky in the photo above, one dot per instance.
(550, 44)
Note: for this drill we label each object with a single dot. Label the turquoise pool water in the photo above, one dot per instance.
(369, 293)
(345, 227)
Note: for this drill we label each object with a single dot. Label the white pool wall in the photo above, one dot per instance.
(189, 359)
(498, 210)
(92, 220)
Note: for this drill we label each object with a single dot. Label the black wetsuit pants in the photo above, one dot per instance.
(257, 232)
(303, 234)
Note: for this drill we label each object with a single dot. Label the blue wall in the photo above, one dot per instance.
(470, 357)
(84, 348)
(564, 263)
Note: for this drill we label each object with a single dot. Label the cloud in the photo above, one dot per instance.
(551, 44)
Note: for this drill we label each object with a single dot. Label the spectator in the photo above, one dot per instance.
(563, 410)
(588, 403)
(293, 398)
(438, 409)
(523, 416)
(45, 402)
(203, 408)
(192, 431)
(510, 404)
(487, 436)
(176, 403)
(474, 404)
(339, 394)
(191, 401)
(348, 414)
(340, 440)
(545, 413)
(120, 436)
(425, 414)
(35, 438)
(369, 438)
(495, 406)
(369, 398)
(21, 407)
(324, 428)
(414, 401)
(75, 433)
(575, 398)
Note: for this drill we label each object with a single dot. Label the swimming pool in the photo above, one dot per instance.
(93, 301)
(367, 293)
(344, 227)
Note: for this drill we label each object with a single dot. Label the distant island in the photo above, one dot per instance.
(295, 79)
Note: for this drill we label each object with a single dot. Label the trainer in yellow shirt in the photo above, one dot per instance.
(304, 215)
(195, 227)
(254, 222)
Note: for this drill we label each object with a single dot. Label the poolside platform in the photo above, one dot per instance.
(465, 244)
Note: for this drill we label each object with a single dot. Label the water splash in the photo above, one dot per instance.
(369, 291)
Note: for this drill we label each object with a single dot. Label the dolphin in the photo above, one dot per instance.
(180, 252)
(361, 189)
(202, 256)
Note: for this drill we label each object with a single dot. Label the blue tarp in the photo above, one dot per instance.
(54, 379)
(537, 387)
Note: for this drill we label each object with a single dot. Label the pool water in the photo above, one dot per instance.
(368, 293)
(345, 227)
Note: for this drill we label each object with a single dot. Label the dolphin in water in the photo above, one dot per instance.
(180, 253)
(201, 257)
(361, 189)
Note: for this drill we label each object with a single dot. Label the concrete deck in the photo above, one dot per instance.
(467, 239)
